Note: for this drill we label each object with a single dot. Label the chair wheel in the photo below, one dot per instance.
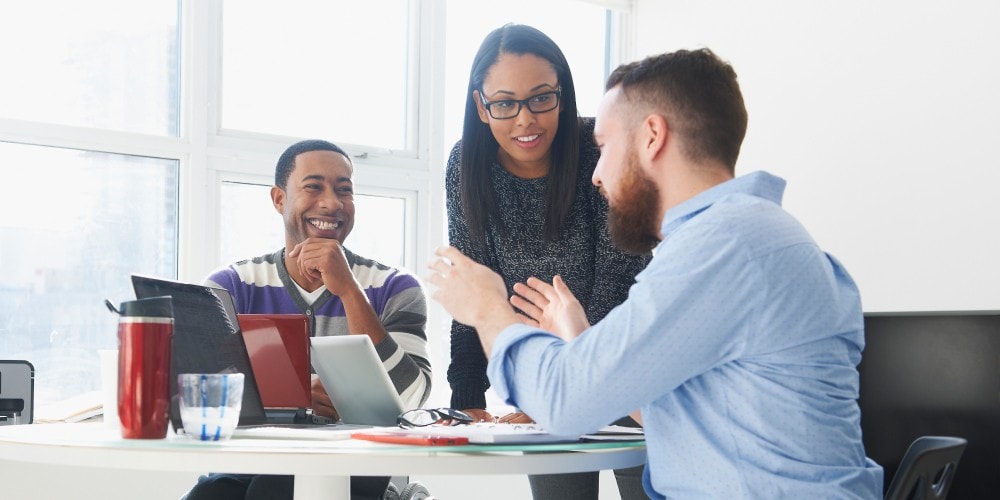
(391, 493)
(415, 491)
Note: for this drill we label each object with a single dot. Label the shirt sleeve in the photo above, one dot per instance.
(404, 350)
(228, 278)
(606, 372)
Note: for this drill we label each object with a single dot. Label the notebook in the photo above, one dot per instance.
(499, 433)
(488, 433)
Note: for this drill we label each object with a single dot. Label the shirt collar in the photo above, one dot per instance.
(760, 184)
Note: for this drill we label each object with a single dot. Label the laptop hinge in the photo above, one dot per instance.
(287, 415)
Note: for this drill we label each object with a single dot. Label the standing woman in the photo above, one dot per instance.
(520, 201)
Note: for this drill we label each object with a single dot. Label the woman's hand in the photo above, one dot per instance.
(478, 414)
(552, 308)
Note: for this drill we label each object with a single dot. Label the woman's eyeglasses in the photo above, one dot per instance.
(422, 417)
(509, 108)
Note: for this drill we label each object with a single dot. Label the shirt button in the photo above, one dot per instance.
(309, 312)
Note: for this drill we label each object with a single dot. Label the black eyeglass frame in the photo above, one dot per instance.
(439, 415)
(521, 103)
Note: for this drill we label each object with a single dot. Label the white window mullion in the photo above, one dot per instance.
(621, 38)
(619, 5)
(90, 139)
(430, 226)
(199, 193)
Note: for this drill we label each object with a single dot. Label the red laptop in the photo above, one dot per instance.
(278, 345)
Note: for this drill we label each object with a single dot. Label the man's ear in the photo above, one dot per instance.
(656, 136)
(483, 116)
(278, 199)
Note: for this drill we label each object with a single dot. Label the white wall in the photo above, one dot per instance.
(884, 117)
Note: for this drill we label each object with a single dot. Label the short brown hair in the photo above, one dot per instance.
(699, 95)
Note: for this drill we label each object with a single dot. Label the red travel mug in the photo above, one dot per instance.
(145, 327)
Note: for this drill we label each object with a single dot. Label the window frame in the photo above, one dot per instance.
(241, 140)
(219, 154)
(208, 155)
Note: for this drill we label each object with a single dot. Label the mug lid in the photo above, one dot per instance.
(151, 307)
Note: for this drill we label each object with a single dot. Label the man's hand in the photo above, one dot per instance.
(321, 403)
(323, 260)
(637, 416)
(515, 418)
(472, 294)
(552, 307)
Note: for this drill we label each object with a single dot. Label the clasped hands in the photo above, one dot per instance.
(323, 260)
(475, 295)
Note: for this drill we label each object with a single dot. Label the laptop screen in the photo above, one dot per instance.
(356, 380)
(206, 339)
(278, 345)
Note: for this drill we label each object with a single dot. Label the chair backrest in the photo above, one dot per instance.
(927, 469)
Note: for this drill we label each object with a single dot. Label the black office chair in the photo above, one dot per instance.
(927, 469)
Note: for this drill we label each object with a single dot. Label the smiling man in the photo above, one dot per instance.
(341, 292)
(316, 275)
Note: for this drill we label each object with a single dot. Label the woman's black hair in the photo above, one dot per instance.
(479, 147)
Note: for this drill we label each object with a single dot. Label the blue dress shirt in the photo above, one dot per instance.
(740, 344)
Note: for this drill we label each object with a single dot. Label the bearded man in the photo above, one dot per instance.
(738, 345)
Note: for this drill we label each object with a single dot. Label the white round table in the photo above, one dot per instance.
(322, 468)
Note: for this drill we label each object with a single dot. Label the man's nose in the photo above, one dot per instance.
(331, 201)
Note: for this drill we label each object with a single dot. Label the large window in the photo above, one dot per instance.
(317, 69)
(73, 226)
(141, 137)
(109, 64)
(89, 98)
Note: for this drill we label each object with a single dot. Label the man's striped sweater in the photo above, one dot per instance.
(263, 286)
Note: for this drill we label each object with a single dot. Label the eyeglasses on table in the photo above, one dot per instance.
(422, 417)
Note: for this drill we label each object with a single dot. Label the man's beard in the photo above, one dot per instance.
(632, 220)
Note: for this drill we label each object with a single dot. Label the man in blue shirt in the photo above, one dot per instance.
(739, 343)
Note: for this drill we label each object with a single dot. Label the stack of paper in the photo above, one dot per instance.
(617, 433)
(490, 433)
(75, 409)
(494, 433)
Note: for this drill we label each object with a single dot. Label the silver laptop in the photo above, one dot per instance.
(356, 380)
